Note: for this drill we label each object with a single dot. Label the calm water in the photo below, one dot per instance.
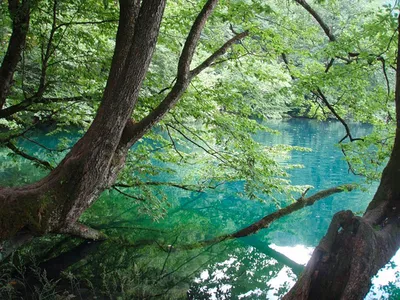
(251, 272)
(262, 266)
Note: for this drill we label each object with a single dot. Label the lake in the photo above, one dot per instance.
(146, 260)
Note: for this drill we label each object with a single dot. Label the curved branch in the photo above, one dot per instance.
(193, 39)
(80, 230)
(210, 151)
(128, 195)
(23, 105)
(187, 187)
(182, 80)
(173, 143)
(87, 23)
(383, 61)
(318, 18)
(321, 96)
(44, 146)
(184, 75)
(218, 53)
(177, 90)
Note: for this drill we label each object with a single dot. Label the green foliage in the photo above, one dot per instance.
(208, 140)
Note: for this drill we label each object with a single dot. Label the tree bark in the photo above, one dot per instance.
(355, 248)
(55, 203)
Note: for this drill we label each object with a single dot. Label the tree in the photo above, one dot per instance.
(55, 203)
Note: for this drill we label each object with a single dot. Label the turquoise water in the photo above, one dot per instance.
(262, 266)
(250, 272)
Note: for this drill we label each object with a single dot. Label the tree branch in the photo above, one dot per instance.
(45, 147)
(193, 39)
(47, 54)
(20, 13)
(173, 143)
(212, 153)
(318, 18)
(383, 61)
(87, 23)
(128, 195)
(212, 58)
(184, 75)
(187, 187)
(267, 220)
(321, 96)
(80, 230)
(36, 99)
(19, 152)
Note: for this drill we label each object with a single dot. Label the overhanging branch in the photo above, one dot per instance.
(187, 187)
(267, 220)
(318, 18)
(212, 58)
(321, 96)
(21, 153)
(36, 99)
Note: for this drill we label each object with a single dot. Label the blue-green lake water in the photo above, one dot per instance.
(255, 267)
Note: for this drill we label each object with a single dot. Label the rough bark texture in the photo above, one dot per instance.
(55, 203)
(355, 248)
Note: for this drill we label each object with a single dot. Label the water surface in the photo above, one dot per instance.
(263, 266)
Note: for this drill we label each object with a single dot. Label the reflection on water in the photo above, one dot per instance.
(298, 253)
(245, 274)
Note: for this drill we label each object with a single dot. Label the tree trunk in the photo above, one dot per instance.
(355, 248)
(56, 202)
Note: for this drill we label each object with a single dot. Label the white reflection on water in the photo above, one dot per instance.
(284, 279)
(302, 255)
(298, 253)
(385, 275)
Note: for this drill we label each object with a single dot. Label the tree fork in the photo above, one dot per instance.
(58, 200)
(55, 203)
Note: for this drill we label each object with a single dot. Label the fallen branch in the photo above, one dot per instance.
(267, 220)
